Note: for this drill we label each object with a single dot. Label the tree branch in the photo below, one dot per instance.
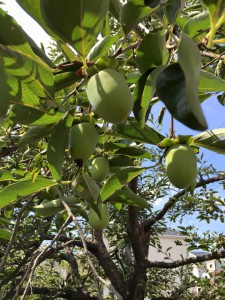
(175, 198)
(188, 261)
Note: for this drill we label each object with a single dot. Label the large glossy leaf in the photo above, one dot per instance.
(213, 140)
(34, 116)
(26, 70)
(134, 132)
(35, 134)
(66, 79)
(152, 52)
(57, 145)
(173, 9)
(32, 8)
(143, 93)
(177, 86)
(23, 188)
(78, 23)
(13, 37)
(132, 13)
(117, 180)
(208, 82)
(4, 91)
(127, 197)
(114, 8)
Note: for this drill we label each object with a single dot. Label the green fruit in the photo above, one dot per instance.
(95, 221)
(99, 168)
(83, 140)
(50, 193)
(181, 165)
(109, 95)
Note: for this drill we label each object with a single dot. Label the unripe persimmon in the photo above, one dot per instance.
(95, 221)
(109, 95)
(83, 140)
(99, 168)
(181, 165)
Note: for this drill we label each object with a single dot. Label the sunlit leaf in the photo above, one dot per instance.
(117, 180)
(23, 188)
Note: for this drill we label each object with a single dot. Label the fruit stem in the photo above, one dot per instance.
(171, 127)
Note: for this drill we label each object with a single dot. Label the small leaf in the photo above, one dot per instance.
(208, 83)
(118, 180)
(213, 140)
(57, 145)
(101, 47)
(23, 188)
(4, 91)
(5, 234)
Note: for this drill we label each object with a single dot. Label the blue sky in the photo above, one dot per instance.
(214, 112)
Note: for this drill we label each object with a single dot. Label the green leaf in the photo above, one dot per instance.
(117, 180)
(34, 116)
(177, 86)
(4, 91)
(114, 8)
(128, 197)
(101, 47)
(35, 134)
(197, 26)
(208, 82)
(152, 52)
(134, 132)
(78, 23)
(66, 79)
(92, 187)
(213, 140)
(134, 152)
(132, 13)
(143, 93)
(57, 145)
(190, 62)
(23, 188)
(32, 8)
(5, 175)
(173, 9)
(5, 234)
(13, 37)
(38, 79)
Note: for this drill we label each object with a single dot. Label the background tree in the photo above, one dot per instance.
(169, 51)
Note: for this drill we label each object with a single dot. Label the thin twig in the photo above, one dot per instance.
(36, 261)
(87, 253)
(15, 229)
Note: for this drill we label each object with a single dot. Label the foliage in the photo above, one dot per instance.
(170, 51)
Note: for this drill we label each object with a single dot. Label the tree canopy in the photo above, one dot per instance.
(91, 96)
